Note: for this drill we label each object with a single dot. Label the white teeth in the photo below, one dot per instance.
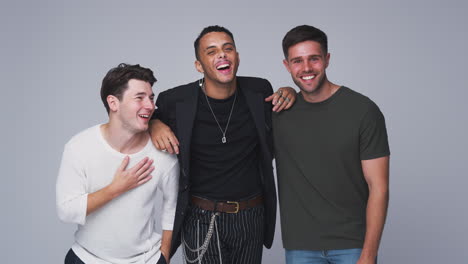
(144, 116)
(222, 66)
(308, 77)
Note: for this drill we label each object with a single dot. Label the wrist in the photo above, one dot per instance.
(368, 254)
(112, 191)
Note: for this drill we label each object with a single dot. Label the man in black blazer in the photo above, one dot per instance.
(226, 208)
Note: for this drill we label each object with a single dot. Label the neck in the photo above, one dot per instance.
(218, 90)
(322, 93)
(123, 140)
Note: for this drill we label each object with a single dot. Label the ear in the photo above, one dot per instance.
(113, 103)
(286, 64)
(327, 60)
(238, 58)
(199, 67)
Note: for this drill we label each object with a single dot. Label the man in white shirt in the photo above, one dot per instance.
(107, 182)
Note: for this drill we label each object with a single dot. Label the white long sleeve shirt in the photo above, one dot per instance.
(122, 231)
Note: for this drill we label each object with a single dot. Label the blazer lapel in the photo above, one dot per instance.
(256, 104)
(186, 110)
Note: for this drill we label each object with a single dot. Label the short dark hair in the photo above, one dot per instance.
(304, 33)
(207, 30)
(116, 80)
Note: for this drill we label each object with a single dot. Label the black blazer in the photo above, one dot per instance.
(177, 108)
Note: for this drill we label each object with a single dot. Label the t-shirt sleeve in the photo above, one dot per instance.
(373, 139)
(71, 194)
(169, 187)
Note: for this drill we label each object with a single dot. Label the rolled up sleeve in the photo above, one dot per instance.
(71, 195)
(169, 187)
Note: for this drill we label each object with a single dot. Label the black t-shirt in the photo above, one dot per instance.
(322, 191)
(224, 171)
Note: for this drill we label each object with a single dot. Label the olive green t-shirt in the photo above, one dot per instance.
(322, 190)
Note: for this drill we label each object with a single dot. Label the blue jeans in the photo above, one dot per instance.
(338, 256)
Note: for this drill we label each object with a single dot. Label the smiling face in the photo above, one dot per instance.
(134, 111)
(307, 63)
(217, 59)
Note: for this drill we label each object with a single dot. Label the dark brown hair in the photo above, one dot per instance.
(304, 33)
(207, 30)
(116, 80)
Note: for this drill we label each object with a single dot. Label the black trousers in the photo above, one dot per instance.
(72, 258)
(240, 235)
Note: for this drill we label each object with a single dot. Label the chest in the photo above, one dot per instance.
(101, 169)
(330, 131)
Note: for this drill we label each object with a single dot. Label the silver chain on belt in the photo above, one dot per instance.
(201, 250)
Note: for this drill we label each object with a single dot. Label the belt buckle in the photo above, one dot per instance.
(237, 207)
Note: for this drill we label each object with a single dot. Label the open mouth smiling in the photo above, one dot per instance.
(308, 77)
(223, 67)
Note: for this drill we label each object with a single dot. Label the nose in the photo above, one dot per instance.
(307, 66)
(221, 54)
(149, 104)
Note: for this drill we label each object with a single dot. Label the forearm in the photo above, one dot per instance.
(376, 213)
(166, 244)
(99, 198)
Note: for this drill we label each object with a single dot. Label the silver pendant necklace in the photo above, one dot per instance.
(223, 139)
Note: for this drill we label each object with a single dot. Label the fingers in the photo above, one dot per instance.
(159, 143)
(173, 139)
(279, 106)
(290, 102)
(156, 144)
(163, 138)
(144, 180)
(144, 168)
(146, 173)
(269, 98)
(274, 98)
(124, 163)
(162, 143)
(286, 99)
(138, 166)
(169, 146)
(167, 142)
(284, 103)
(174, 143)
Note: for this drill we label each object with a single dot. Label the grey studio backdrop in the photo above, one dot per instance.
(408, 56)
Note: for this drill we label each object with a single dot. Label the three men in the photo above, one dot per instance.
(332, 159)
(110, 174)
(226, 207)
(332, 172)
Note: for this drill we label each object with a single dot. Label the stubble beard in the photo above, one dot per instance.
(316, 90)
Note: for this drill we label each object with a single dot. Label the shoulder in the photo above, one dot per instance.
(362, 106)
(254, 83)
(83, 145)
(84, 138)
(359, 101)
(163, 160)
(180, 91)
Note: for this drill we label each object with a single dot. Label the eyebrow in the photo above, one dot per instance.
(310, 56)
(143, 93)
(227, 43)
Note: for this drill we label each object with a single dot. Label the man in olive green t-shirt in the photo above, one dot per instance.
(332, 159)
